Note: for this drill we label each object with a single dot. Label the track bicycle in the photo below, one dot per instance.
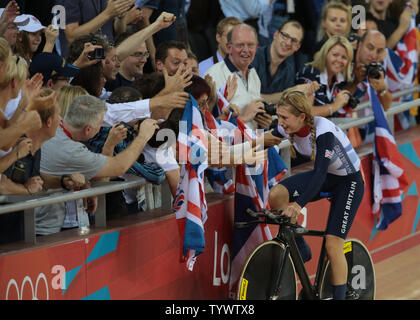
(270, 270)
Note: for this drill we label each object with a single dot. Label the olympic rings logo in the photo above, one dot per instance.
(27, 281)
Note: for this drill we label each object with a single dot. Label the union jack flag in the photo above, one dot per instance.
(217, 177)
(388, 173)
(401, 68)
(190, 205)
(251, 191)
(401, 63)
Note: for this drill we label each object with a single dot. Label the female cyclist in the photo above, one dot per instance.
(336, 170)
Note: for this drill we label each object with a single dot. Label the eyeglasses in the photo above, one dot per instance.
(241, 46)
(287, 37)
(139, 55)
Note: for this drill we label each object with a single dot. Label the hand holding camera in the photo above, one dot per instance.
(374, 70)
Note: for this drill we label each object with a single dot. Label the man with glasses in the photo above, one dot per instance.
(275, 63)
(131, 68)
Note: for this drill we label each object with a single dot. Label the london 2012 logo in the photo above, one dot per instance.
(27, 282)
(36, 289)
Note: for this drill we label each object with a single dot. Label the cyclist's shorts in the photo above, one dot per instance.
(346, 196)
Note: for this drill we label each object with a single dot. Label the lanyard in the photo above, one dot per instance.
(65, 130)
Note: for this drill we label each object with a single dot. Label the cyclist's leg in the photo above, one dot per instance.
(278, 197)
(285, 192)
(344, 204)
(334, 246)
(288, 190)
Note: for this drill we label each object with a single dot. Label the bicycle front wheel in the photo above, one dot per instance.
(261, 271)
(361, 273)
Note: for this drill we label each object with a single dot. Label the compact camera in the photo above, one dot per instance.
(353, 101)
(98, 53)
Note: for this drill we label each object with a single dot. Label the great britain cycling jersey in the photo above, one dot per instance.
(336, 171)
(333, 144)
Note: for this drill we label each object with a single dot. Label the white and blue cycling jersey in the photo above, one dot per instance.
(333, 144)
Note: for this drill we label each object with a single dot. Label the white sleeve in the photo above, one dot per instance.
(127, 111)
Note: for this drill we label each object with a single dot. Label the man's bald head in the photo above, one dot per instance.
(372, 47)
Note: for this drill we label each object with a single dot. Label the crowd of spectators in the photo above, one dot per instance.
(82, 102)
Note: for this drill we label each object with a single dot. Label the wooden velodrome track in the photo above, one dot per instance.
(398, 277)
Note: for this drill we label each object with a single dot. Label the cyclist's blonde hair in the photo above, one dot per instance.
(297, 103)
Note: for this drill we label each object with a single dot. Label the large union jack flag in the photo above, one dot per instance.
(251, 191)
(190, 205)
(388, 172)
(401, 63)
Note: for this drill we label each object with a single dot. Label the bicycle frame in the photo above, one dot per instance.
(286, 236)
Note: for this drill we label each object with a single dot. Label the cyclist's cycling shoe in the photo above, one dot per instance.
(304, 249)
(352, 295)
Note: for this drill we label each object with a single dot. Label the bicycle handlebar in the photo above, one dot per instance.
(270, 218)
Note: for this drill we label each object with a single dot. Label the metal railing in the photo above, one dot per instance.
(27, 203)
(13, 203)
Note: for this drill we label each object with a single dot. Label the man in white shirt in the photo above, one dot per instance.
(241, 45)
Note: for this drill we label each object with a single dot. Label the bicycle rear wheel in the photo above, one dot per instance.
(261, 270)
(361, 273)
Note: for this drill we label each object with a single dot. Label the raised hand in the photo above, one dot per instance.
(118, 7)
(231, 86)
(117, 133)
(83, 61)
(165, 20)
(31, 88)
(42, 103)
(147, 129)
(179, 81)
(11, 11)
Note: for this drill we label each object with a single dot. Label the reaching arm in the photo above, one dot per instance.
(131, 44)
(119, 164)
(113, 9)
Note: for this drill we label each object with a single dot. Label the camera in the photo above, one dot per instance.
(270, 108)
(98, 53)
(373, 69)
(18, 172)
(353, 37)
(353, 101)
(131, 133)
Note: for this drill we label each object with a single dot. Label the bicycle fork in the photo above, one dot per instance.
(275, 289)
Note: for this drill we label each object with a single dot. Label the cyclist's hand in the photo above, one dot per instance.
(292, 211)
